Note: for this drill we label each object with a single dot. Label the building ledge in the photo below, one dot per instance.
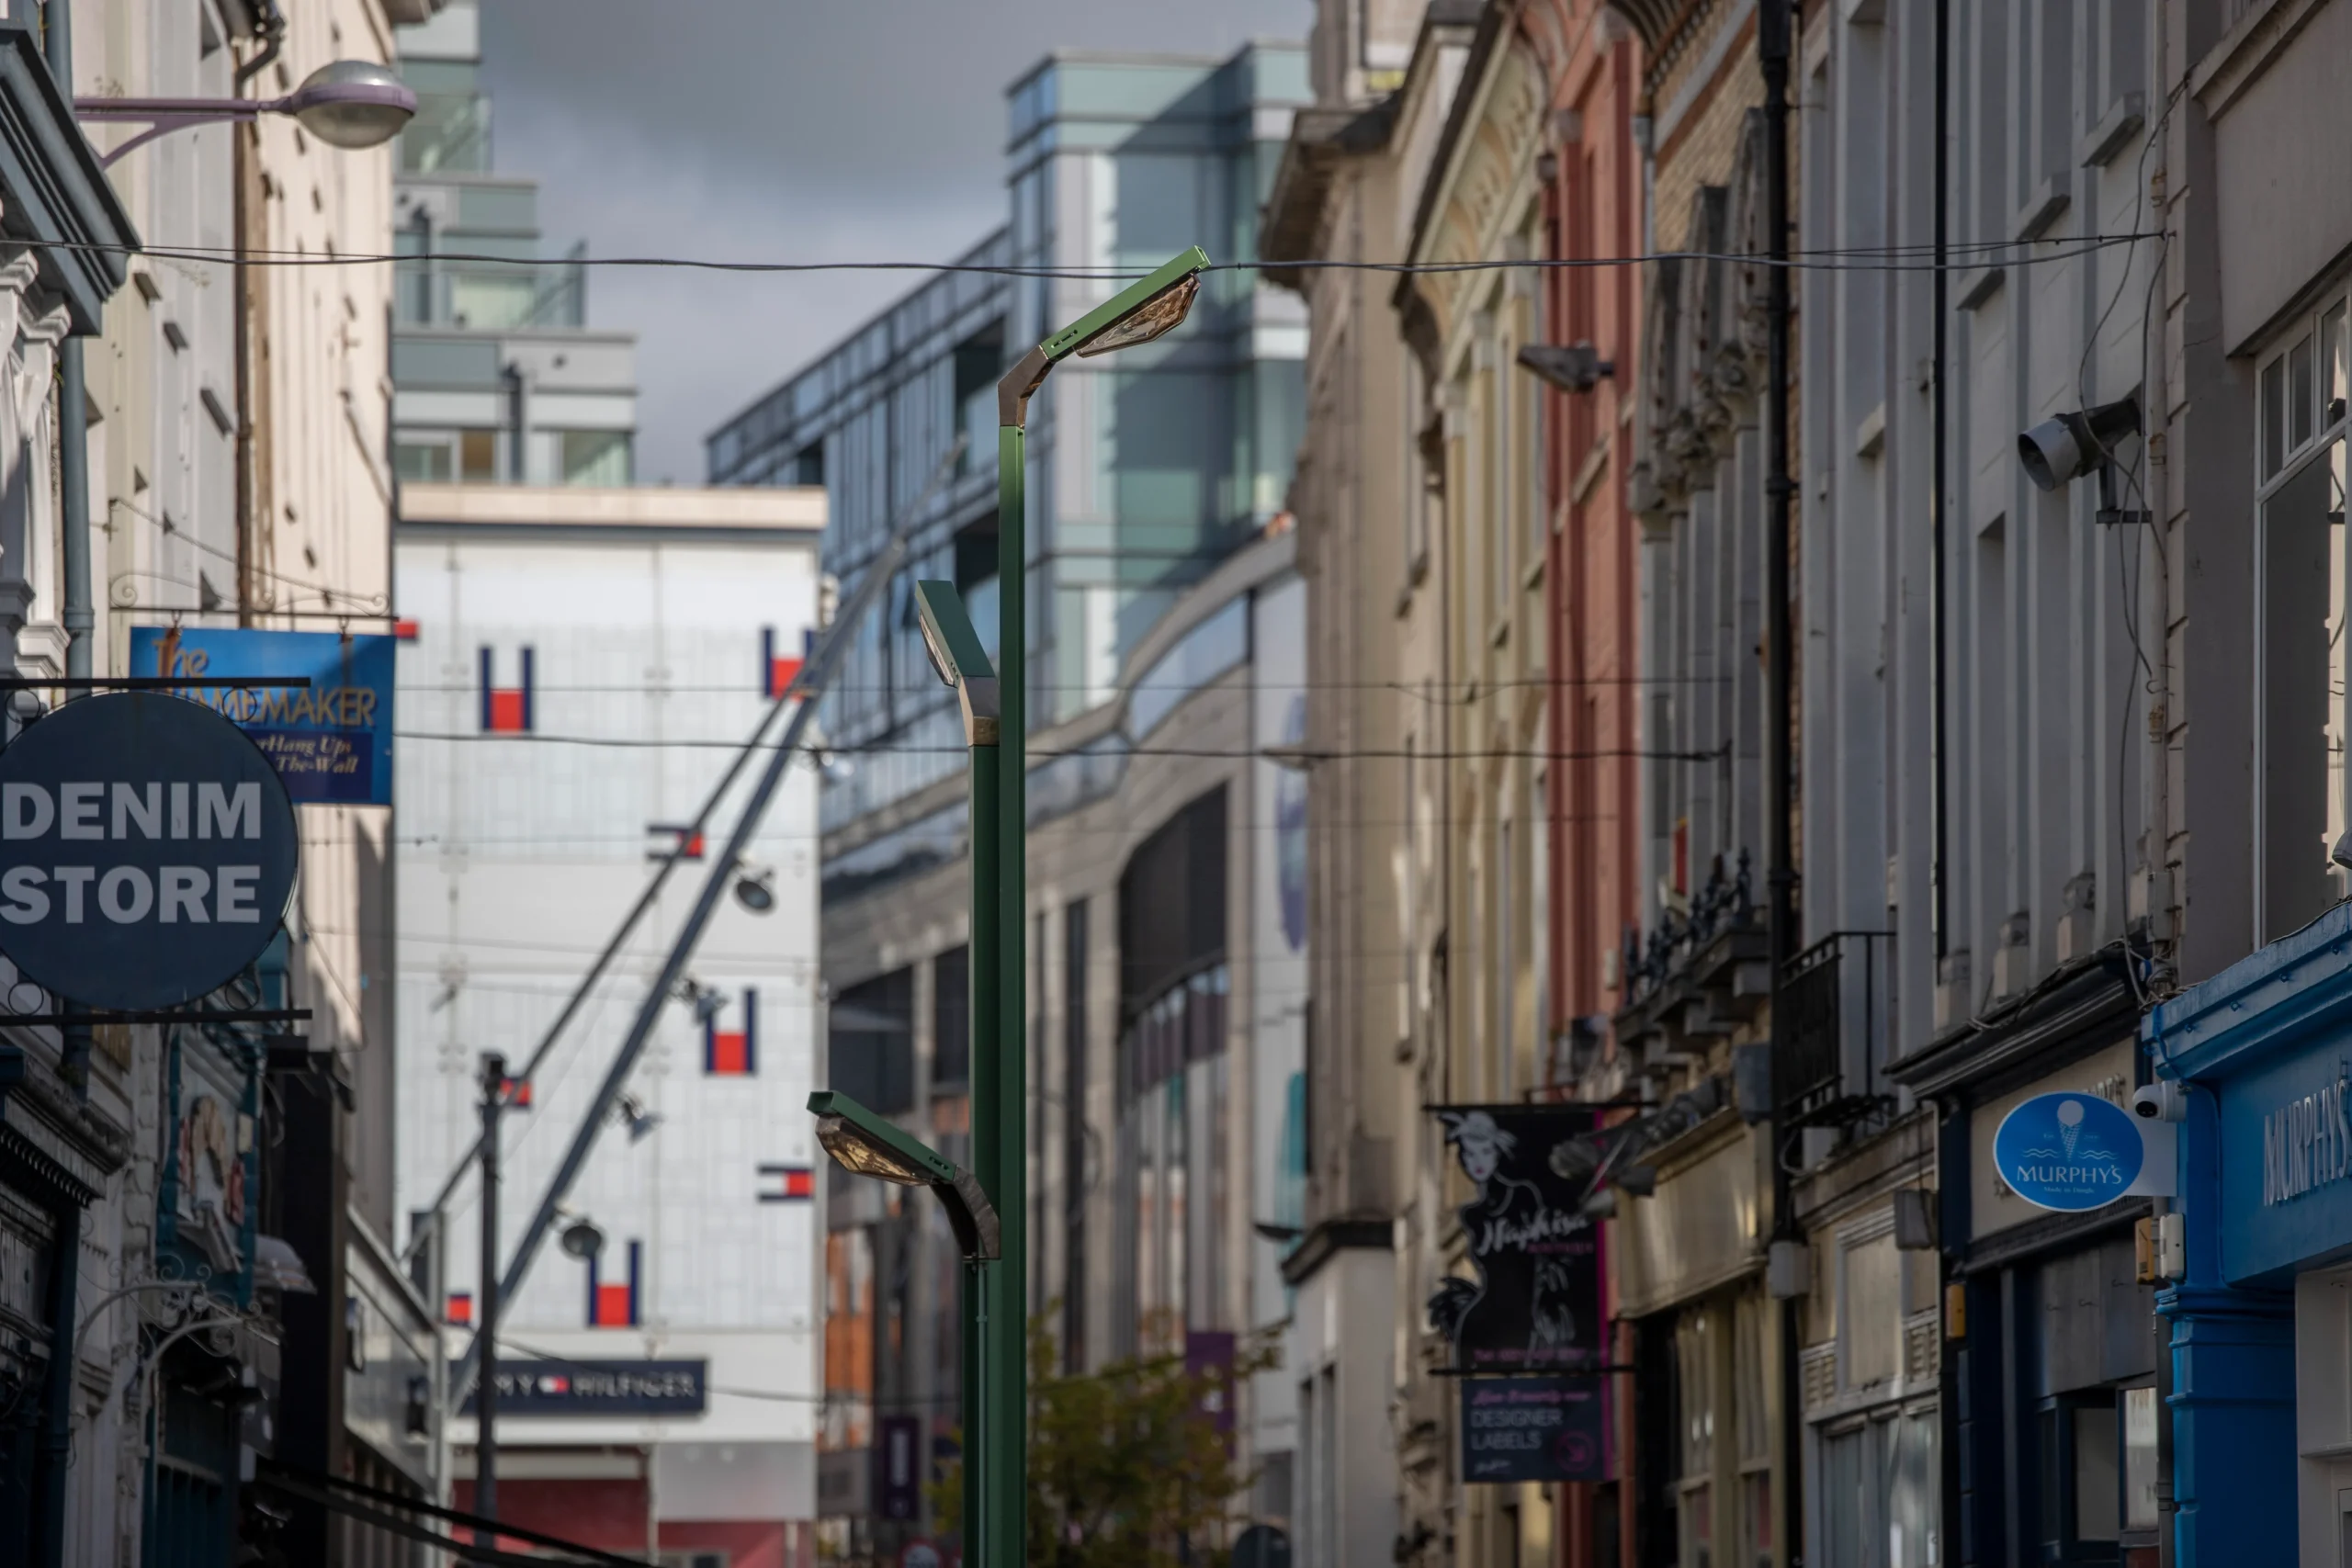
(1328, 1238)
(2087, 1004)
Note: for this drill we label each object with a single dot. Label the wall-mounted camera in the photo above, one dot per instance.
(2162, 1100)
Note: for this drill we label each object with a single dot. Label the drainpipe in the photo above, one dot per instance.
(1774, 25)
(1939, 659)
(73, 415)
(1948, 1387)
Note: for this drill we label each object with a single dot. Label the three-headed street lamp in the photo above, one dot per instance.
(994, 702)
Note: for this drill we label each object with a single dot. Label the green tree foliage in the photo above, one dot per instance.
(1127, 1468)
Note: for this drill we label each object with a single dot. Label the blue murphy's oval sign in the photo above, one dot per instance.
(2068, 1152)
(147, 851)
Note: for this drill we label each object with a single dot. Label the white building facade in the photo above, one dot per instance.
(579, 668)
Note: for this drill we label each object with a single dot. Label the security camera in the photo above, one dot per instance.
(582, 1239)
(2162, 1100)
(2071, 444)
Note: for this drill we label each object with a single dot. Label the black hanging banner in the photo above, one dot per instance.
(1536, 1302)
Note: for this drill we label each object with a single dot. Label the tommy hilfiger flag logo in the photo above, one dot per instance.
(674, 838)
(460, 1310)
(778, 671)
(733, 1054)
(505, 710)
(614, 1303)
(787, 1183)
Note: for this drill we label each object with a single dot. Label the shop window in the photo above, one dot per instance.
(2081, 1442)
(1694, 1359)
(1753, 1416)
(2140, 1417)
(2303, 658)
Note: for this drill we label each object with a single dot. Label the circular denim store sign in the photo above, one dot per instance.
(147, 851)
(2068, 1152)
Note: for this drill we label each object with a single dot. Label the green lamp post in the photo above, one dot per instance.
(956, 654)
(1137, 314)
(867, 1144)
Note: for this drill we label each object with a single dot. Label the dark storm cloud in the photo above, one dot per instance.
(816, 130)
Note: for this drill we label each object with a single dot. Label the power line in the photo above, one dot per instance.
(1302, 754)
(1858, 259)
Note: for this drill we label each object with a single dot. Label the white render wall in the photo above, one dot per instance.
(519, 855)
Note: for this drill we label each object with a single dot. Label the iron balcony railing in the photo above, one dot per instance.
(1827, 1038)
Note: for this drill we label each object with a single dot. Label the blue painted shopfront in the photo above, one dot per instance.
(2261, 1315)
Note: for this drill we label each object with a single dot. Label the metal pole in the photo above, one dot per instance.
(820, 667)
(1008, 1415)
(1772, 37)
(436, 1415)
(493, 1099)
(988, 1103)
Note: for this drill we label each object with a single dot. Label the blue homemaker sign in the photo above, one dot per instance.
(2069, 1152)
(330, 740)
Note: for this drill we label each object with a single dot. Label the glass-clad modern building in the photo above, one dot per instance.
(1147, 468)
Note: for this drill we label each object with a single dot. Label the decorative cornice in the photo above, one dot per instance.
(2271, 998)
(2246, 50)
(52, 191)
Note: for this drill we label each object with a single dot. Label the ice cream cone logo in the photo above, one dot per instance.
(2070, 1123)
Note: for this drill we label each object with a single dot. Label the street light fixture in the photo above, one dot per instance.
(958, 657)
(996, 1498)
(351, 104)
(867, 1144)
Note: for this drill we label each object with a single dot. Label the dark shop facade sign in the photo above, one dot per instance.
(1536, 1302)
(147, 851)
(601, 1388)
(1533, 1428)
(331, 740)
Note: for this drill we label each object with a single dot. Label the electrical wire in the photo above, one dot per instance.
(1857, 259)
(1301, 754)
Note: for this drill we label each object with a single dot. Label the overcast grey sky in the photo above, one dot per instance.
(781, 130)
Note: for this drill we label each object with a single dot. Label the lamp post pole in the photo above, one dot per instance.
(993, 1384)
(956, 654)
(999, 1070)
(1137, 314)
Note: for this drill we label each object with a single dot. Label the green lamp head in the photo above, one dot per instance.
(958, 656)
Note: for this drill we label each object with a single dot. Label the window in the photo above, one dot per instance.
(2081, 1442)
(871, 1045)
(2302, 658)
(477, 455)
(1506, 1014)
(1076, 1141)
(951, 1018)
(1753, 1417)
(422, 462)
(1694, 1365)
(594, 456)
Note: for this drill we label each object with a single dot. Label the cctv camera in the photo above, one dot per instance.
(2162, 1100)
(2071, 444)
